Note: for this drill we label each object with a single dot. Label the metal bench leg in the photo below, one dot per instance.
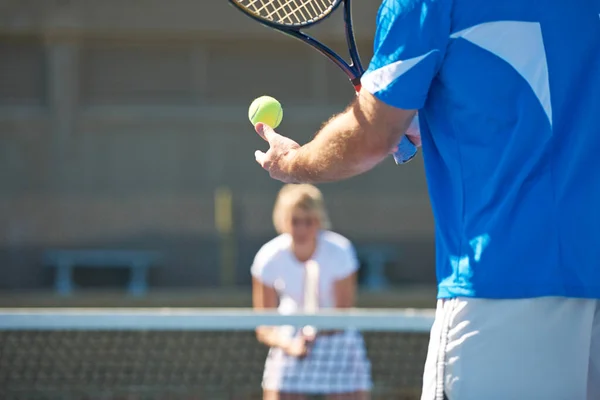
(138, 284)
(375, 275)
(64, 278)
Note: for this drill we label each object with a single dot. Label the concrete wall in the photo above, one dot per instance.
(120, 119)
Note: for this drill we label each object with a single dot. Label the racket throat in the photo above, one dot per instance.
(311, 294)
(357, 84)
(311, 287)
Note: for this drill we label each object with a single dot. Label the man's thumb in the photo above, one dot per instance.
(264, 131)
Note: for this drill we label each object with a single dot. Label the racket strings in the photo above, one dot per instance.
(289, 12)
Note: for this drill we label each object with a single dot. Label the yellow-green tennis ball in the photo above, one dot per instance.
(267, 110)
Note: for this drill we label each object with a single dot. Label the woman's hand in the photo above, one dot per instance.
(299, 346)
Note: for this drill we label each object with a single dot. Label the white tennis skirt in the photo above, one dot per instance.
(335, 363)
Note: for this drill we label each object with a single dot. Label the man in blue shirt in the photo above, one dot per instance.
(508, 95)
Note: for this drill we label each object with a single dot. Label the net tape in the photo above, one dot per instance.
(290, 12)
(408, 320)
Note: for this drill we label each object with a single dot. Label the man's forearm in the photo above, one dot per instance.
(349, 144)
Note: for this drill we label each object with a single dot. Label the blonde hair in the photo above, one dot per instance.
(303, 196)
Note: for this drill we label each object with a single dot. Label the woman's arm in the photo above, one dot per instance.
(264, 298)
(345, 291)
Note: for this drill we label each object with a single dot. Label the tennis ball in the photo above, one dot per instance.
(267, 110)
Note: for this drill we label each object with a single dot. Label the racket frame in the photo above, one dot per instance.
(353, 70)
(311, 293)
(311, 287)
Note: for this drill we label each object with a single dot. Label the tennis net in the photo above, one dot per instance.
(185, 354)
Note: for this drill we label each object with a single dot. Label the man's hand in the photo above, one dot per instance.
(350, 144)
(281, 151)
(412, 133)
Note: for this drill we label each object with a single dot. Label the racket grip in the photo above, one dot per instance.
(406, 151)
(357, 87)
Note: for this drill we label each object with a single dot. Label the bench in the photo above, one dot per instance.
(66, 260)
(374, 258)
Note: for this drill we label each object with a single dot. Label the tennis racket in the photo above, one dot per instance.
(311, 294)
(292, 16)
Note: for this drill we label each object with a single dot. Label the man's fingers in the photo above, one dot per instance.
(413, 132)
(264, 131)
(415, 140)
(260, 157)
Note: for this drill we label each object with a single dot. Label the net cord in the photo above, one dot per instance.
(404, 320)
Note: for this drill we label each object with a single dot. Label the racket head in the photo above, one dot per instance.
(290, 14)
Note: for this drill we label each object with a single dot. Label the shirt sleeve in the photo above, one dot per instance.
(264, 268)
(409, 48)
(348, 262)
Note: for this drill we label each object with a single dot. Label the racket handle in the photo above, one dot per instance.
(309, 332)
(357, 87)
(406, 151)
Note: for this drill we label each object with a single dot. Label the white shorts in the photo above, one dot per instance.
(544, 348)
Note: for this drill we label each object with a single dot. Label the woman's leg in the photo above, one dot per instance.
(274, 395)
(350, 396)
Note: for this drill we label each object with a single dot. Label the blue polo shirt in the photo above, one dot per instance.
(508, 94)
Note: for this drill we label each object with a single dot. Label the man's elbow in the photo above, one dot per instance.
(378, 136)
(377, 144)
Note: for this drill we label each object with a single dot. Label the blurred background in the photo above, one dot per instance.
(123, 126)
(128, 179)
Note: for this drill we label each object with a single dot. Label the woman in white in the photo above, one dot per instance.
(332, 363)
